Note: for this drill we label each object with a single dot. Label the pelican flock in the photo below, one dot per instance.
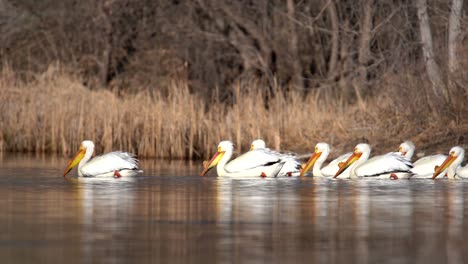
(113, 164)
(261, 161)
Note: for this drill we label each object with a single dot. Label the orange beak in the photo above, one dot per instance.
(213, 162)
(310, 163)
(355, 156)
(438, 169)
(76, 159)
(403, 153)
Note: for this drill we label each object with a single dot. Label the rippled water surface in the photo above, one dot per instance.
(171, 215)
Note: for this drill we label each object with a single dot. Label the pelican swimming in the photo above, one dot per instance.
(254, 163)
(291, 166)
(319, 156)
(114, 164)
(453, 165)
(383, 166)
(423, 167)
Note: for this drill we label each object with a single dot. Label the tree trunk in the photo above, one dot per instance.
(453, 35)
(345, 59)
(432, 69)
(334, 40)
(105, 63)
(296, 65)
(364, 43)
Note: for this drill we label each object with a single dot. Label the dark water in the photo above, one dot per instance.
(171, 215)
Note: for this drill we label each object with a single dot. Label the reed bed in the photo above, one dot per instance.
(55, 112)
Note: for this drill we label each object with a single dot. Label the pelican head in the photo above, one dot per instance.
(319, 149)
(407, 149)
(360, 150)
(257, 144)
(456, 156)
(86, 147)
(223, 147)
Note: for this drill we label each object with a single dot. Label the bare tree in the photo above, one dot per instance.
(453, 35)
(310, 44)
(106, 24)
(293, 46)
(332, 71)
(346, 60)
(364, 43)
(432, 68)
(242, 33)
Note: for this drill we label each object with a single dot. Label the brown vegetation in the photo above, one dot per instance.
(170, 79)
(55, 112)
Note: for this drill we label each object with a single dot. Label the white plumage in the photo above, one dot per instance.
(106, 164)
(383, 166)
(114, 164)
(291, 165)
(424, 167)
(250, 160)
(254, 163)
(462, 172)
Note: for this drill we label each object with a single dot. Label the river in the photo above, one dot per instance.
(171, 215)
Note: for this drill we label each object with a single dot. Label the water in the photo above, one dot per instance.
(171, 215)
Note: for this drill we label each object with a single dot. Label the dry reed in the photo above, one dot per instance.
(54, 113)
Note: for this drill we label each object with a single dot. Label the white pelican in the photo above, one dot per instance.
(383, 166)
(423, 167)
(319, 156)
(453, 165)
(407, 149)
(291, 166)
(254, 163)
(114, 164)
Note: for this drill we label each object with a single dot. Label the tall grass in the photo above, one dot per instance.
(55, 112)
